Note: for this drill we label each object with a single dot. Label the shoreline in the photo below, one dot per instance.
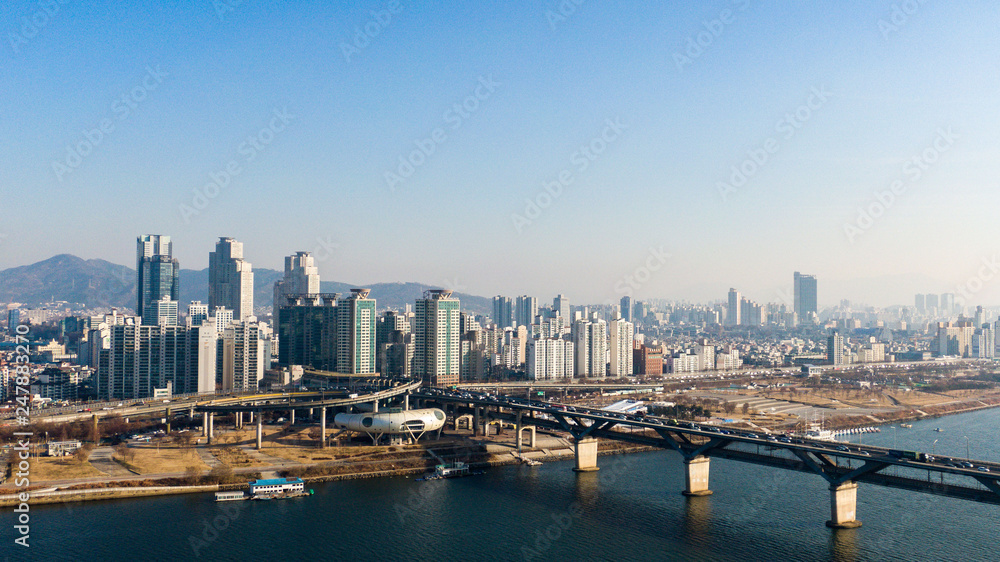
(98, 494)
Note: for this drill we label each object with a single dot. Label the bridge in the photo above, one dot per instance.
(842, 466)
(292, 401)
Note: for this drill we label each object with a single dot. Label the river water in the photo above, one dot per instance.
(631, 509)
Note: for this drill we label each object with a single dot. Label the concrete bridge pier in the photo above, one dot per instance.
(475, 421)
(520, 436)
(696, 477)
(586, 454)
(204, 424)
(375, 407)
(843, 506)
(291, 416)
(238, 416)
(406, 401)
(260, 432)
(211, 430)
(322, 428)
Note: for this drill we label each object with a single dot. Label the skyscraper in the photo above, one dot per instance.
(805, 296)
(527, 309)
(626, 308)
(733, 310)
(436, 338)
(919, 303)
(158, 274)
(356, 333)
(230, 279)
(301, 277)
(560, 305)
(503, 312)
(947, 303)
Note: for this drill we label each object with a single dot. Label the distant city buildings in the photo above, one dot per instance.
(527, 309)
(503, 312)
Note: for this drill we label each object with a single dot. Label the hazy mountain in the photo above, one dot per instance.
(98, 283)
(95, 283)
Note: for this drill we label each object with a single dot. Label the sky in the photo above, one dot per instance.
(594, 149)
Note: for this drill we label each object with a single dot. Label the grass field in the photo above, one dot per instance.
(45, 469)
(168, 457)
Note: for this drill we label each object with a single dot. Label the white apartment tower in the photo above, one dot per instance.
(230, 279)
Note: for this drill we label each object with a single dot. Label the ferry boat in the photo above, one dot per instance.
(278, 489)
(906, 425)
(455, 470)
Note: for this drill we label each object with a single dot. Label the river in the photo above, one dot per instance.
(631, 509)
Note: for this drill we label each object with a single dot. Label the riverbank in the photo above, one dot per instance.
(63, 493)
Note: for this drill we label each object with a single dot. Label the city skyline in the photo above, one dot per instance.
(830, 134)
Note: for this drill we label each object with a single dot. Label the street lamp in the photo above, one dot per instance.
(893, 437)
(967, 455)
(932, 446)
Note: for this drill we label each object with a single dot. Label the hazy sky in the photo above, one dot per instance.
(642, 109)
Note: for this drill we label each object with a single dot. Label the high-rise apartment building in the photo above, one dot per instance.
(805, 296)
(307, 330)
(527, 309)
(158, 275)
(549, 359)
(230, 279)
(197, 313)
(919, 303)
(135, 359)
(835, 349)
(621, 335)
(244, 359)
(503, 311)
(436, 338)
(560, 305)
(356, 333)
(590, 346)
(733, 310)
(626, 308)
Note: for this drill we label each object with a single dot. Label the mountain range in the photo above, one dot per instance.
(98, 284)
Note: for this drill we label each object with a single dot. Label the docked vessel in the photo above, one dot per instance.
(455, 470)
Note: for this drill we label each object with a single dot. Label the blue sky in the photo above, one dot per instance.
(198, 85)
